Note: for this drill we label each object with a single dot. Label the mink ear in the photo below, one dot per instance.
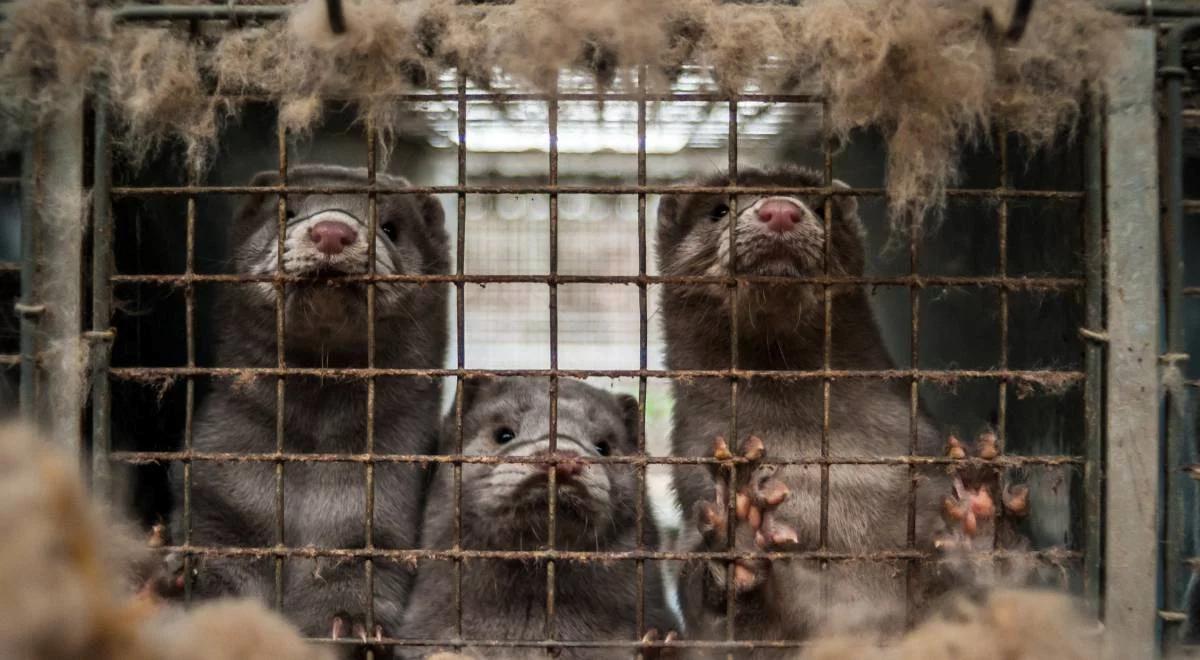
(668, 209)
(846, 203)
(256, 200)
(432, 211)
(265, 178)
(471, 387)
(630, 416)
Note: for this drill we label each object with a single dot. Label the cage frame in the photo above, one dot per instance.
(1103, 260)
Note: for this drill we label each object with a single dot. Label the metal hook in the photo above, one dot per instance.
(337, 20)
(1016, 27)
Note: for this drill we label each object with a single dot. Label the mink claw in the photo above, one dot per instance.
(651, 637)
(754, 449)
(337, 629)
(967, 507)
(754, 516)
(158, 536)
(955, 449)
(710, 521)
(950, 542)
(721, 449)
(986, 446)
(1016, 500)
(772, 492)
(746, 577)
(777, 535)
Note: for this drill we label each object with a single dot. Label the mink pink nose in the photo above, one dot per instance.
(331, 236)
(779, 216)
(567, 466)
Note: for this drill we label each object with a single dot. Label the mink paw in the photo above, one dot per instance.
(344, 626)
(758, 495)
(164, 578)
(979, 495)
(659, 652)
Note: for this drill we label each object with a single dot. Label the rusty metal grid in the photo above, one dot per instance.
(1182, 473)
(101, 337)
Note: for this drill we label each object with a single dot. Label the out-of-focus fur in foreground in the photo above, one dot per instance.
(1005, 624)
(68, 573)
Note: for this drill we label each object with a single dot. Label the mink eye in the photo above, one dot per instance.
(503, 435)
(389, 230)
(603, 448)
(719, 211)
(290, 215)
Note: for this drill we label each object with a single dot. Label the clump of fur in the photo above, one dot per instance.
(1007, 624)
(601, 38)
(931, 75)
(231, 630)
(68, 573)
(49, 50)
(157, 88)
(302, 62)
(60, 577)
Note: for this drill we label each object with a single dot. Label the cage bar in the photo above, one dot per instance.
(1002, 377)
(280, 355)
(369, 476)
(572, 189)
(28, 306)
(101, 337)
(552, 475)
(643, 342)
(460, 339)
(1095, 336)
(730, 471)
(1175, 358)
(1132, 454)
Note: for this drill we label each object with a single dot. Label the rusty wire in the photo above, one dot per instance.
(558, 189)
(1003, 376)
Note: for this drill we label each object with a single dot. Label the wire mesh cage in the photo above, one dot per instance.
(995, 324)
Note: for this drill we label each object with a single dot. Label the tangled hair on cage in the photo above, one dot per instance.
(931, 75)
(48, 50)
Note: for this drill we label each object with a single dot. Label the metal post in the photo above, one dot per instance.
(101, 336)
(1093, 401)
(58, 194)
(1132, 458)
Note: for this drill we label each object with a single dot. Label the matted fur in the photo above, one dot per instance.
(931, 75)
(69, 569)
(1007, 624)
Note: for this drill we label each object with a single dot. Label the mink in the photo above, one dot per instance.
(325, 324)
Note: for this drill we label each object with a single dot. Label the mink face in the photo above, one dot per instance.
(505, 507)
(777, 234)
(327, 235)
(508, 502)
(781, 325)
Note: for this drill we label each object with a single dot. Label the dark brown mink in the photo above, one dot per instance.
(325, 325)
(505, 507)
(781, 326)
